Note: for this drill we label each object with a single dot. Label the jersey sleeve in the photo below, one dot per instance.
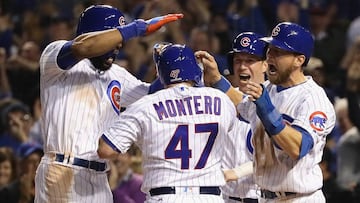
(48, 60)
(134, 89)
(316, 115)
(126, 129)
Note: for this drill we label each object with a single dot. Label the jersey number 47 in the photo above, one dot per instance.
(181, 138)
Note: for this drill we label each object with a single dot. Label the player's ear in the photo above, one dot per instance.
(264, 66)
(299, 60)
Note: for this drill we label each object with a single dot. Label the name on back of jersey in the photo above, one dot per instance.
(192, 105)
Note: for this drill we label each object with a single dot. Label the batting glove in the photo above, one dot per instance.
(156, 23)
(141, 27)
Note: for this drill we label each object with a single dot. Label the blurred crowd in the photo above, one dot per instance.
(26, 27)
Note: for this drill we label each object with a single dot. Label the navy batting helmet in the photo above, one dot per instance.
(99, 17)
(247, 42)
(176, 63)
(292, 37)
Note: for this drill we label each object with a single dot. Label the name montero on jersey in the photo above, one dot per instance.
(188, 106)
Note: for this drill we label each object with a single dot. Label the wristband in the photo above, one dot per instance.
(268, 114)
(134, 29)
(223, 84)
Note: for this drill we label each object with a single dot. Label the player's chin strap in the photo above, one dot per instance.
(268, 114)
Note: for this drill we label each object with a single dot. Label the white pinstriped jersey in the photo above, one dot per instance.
(239, 150)
(79, 104)
(181, 133)
(305, 105)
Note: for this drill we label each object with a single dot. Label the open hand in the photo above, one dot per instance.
(156, 23)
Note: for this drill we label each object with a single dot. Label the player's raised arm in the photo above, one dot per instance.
(99, 38)
(213, 78)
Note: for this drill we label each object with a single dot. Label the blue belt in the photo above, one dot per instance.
(245, 200)
(171, 190)
(97, 166)
(267, 194)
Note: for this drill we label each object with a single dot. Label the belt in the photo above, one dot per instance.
(97, 166)
(267, 194)
(245, 200)
(173, 190)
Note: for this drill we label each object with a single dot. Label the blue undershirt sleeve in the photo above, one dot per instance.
(65, 58)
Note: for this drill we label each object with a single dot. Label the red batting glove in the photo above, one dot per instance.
(156, 23)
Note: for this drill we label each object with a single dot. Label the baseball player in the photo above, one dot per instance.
(180, 130)
(295, 118)
(82, 92)
(247, 62)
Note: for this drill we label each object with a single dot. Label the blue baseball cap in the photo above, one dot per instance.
(26, 149)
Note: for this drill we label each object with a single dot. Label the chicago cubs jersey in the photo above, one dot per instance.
(181, 132)
(307, 106)
(238, 150)
(80, 103)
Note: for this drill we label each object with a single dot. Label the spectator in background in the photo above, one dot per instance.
(6, 33)
(246, 15)
(348, 173)
(5, 90)
(353, 83)
(125, 183)
(203, 39)
(353, 97)
(315, 68)
(23, 189)
(330, 188)
(295, 11)
(8, 166)
(353, 32)
(24, 73)
(15, 123)
(330, 38)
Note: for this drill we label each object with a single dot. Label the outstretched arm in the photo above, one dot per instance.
(94, 44)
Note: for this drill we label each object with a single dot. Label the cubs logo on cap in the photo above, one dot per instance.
(113, 93)
(317, 120)
(245, 42)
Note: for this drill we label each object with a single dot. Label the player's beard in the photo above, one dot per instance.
(281, 77)
(104, 62)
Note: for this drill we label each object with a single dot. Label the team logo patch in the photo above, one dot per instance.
(317, 120)
(275, 31)
(113, 93)
(122, 20)
(245, 42)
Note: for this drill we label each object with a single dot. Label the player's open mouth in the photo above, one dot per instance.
(272, 69)
(244, 77)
